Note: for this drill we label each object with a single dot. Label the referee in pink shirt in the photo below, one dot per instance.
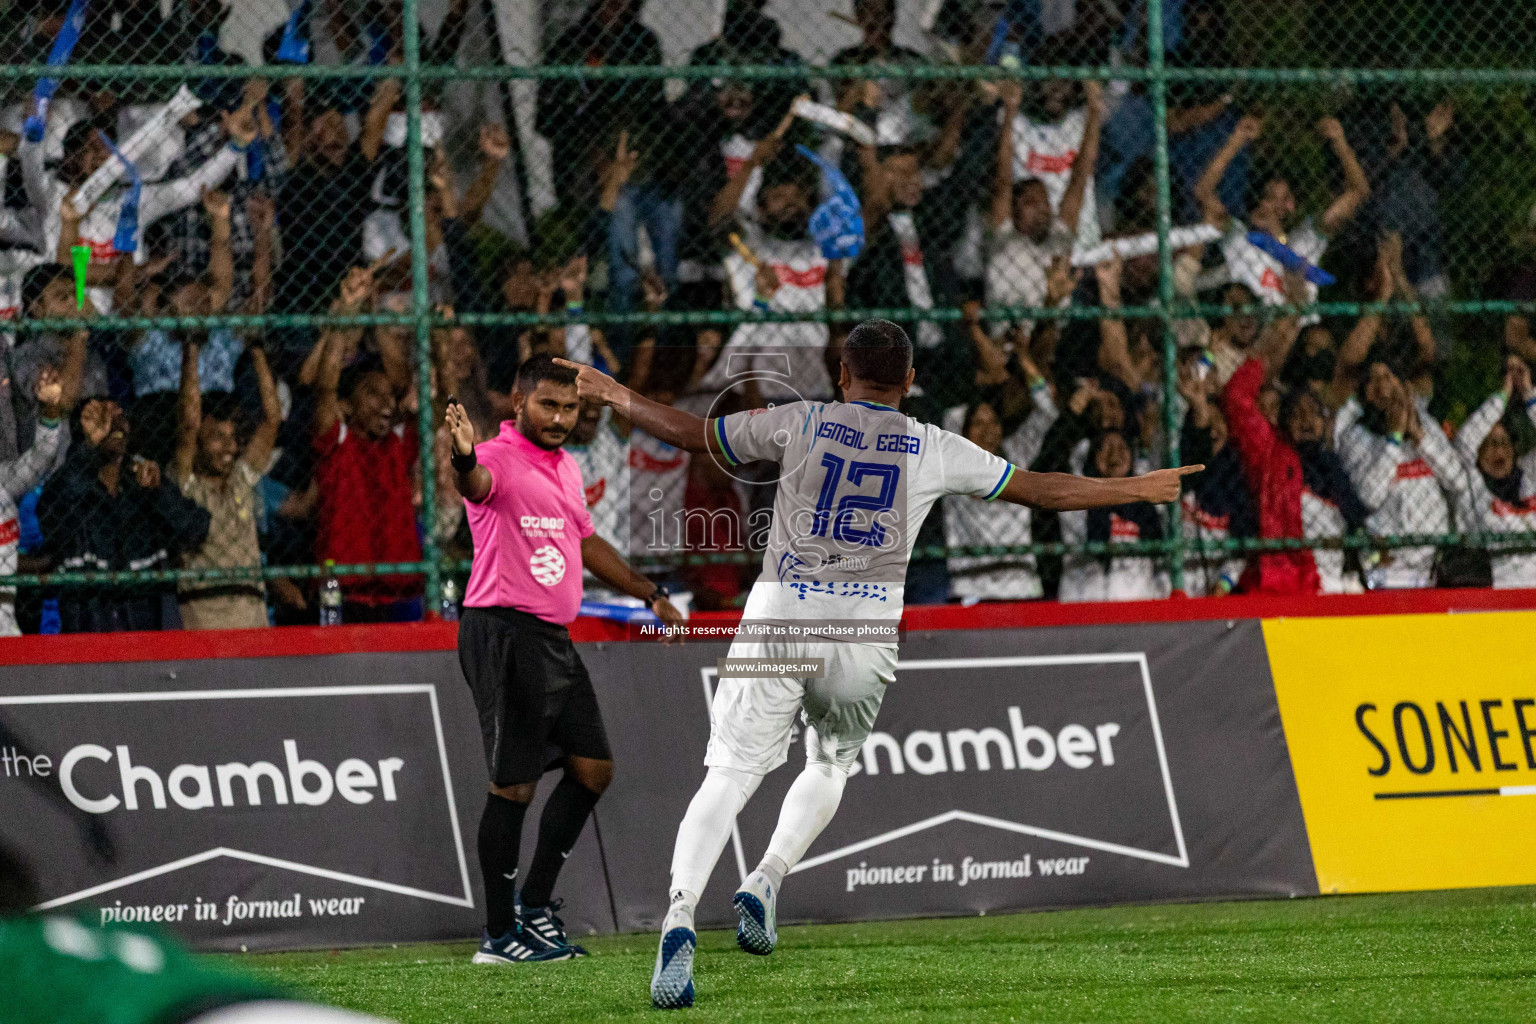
(527, 512)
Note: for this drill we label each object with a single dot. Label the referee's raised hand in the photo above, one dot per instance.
(459, 428)
(472, 479)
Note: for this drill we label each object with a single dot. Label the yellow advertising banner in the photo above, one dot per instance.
(1413, 741)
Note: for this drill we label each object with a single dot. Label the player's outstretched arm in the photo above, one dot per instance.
(674, 426)
(1063, 492)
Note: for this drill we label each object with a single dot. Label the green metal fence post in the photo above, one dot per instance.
(421, 305)
(1158, 87)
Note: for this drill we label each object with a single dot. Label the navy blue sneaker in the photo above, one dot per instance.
(514, 948)
(542, 928)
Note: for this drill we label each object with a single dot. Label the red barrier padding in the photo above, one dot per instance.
(177, 645)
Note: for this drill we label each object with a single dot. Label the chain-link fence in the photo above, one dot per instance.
(251, 248)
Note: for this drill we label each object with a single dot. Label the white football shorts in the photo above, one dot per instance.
(751, 719)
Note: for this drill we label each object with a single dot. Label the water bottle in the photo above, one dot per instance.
(1373, 567)
(450, 607)
(330, 597)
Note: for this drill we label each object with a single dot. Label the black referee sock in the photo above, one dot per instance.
(559, 827)
(501, 833)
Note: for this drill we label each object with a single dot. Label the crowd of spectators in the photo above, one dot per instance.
(228, 449)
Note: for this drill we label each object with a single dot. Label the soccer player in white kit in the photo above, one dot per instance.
(856, 479)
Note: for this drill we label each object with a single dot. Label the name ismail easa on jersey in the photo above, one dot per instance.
(842, 433)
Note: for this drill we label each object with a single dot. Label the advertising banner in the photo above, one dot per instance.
(1414, 745)
(1008, 769)
(254, 803)
(328, 799)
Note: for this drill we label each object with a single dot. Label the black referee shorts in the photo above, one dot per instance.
(533, 694)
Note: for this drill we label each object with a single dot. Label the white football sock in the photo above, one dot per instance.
(680, 913)
(808, 807)
(707, 826)
(774, 870)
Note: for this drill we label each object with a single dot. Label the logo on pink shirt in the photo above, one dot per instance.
(542, 526)
(547, 565)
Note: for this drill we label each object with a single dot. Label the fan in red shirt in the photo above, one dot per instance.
(366, 459)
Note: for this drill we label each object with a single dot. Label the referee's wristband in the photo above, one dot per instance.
(464, 463)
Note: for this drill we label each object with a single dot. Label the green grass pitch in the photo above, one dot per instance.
(1461, 956)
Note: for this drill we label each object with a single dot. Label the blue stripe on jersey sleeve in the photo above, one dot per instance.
(1007, 475)
(725, 446)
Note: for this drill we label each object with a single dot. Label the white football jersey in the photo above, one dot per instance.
(658, 481)
(856, 481)
(1264, 275)
(786, 359)
(604, 464)
(1046, 151)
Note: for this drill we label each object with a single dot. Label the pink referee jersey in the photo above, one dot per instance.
(528, 530)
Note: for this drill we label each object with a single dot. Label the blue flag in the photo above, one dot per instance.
(1016, 34)
(838, 223)
(63, 46)
(127, 237)
(999, 42)
(1289, 259)
(294, 49)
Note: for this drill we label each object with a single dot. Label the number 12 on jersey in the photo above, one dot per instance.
(844, 519)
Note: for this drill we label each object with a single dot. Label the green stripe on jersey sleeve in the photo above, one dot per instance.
(725, 446)
(1007, 475)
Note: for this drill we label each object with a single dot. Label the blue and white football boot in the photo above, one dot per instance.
(756, 914)
(672, 981)
(515, 948)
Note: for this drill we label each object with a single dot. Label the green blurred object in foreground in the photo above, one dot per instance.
(59, 969)
(80, 255)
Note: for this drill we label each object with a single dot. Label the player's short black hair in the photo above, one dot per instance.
(542, 367)
(37, 281)
(879, 352)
